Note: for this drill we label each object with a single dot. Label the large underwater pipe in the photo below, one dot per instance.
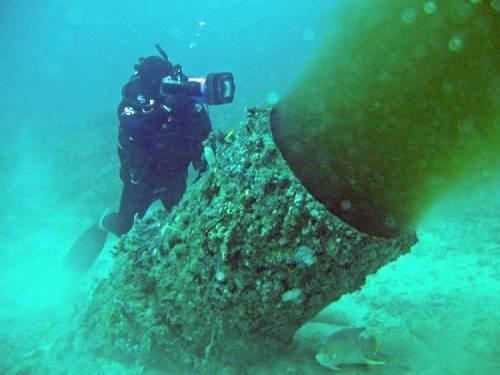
(401, 102)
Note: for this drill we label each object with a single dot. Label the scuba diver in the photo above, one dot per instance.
(163, 122)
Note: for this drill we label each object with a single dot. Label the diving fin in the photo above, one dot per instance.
(372, 362)
(86, 249)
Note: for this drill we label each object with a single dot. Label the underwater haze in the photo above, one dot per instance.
(435, 310)
(67, 57)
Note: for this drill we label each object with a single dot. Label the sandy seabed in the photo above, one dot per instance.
(434, 310)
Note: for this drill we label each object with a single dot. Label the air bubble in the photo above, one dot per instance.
(409, 15)
(345, 205)
(455, 44)
(430, 7)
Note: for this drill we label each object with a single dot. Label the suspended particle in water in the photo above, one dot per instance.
(272, 98)
(409, 15)
(448, 88)
(345, 205)
(430, 7)
(420, 51)
(308, 35)
(456, 43)
(317, 107)
(391, 222)
(495, 4)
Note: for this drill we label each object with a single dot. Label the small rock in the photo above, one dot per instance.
(293, 295)
(304, 256)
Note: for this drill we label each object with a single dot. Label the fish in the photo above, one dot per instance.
(348, 347)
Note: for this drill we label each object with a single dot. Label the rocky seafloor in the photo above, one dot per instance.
(224, 280)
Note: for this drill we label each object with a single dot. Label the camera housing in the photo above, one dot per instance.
(214, 89)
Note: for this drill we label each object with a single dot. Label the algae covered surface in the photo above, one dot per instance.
(235, 269)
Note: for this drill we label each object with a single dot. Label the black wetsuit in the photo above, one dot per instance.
(158, 139)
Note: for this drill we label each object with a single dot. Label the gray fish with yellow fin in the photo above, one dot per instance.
(348, 347)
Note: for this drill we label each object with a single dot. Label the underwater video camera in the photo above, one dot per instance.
(215, 88)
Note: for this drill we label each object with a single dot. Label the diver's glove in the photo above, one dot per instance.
(201, 166)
